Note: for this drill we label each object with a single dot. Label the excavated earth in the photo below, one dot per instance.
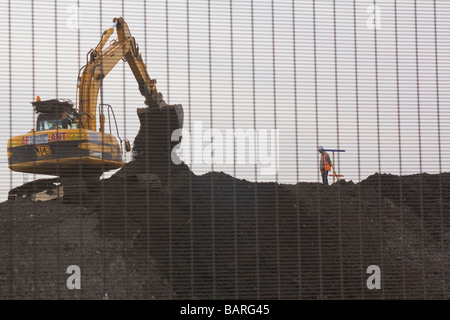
(155, 230)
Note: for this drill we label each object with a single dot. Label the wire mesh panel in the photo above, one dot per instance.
(260, 150)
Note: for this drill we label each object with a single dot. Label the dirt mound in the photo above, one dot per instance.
(156, 230)
(217, 237)
(40, 240)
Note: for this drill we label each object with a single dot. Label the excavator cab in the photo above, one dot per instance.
(48, 122)
(55, 114)
(52, 121)
(58, 146)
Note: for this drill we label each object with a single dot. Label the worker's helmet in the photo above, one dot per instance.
(320, 148)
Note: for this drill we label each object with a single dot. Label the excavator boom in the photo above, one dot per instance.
(102, 61)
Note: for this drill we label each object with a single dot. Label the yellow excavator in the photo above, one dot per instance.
(65, 141)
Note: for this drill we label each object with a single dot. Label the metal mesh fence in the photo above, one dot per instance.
(224, 193)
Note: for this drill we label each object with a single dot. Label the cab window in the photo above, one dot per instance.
(49, 124)
(45, 122)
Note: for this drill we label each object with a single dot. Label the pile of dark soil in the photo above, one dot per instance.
(155, 230)
(40, 240)
(217, 237)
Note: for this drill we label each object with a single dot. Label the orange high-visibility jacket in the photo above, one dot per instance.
(325, 162)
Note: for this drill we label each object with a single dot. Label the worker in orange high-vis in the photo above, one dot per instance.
(325, 164)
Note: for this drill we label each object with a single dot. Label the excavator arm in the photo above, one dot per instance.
(101, 61)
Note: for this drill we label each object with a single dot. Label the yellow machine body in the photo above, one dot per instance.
(54, 152)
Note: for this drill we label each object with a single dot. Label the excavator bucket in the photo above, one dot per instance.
(153, 143)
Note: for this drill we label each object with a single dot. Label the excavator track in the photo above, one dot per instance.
(74, 191)
(37, 190)
(77, 188)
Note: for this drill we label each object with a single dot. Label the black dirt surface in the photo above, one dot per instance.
(217, 237)
(184, 236)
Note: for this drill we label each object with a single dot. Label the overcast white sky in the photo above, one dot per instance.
(311, 88)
